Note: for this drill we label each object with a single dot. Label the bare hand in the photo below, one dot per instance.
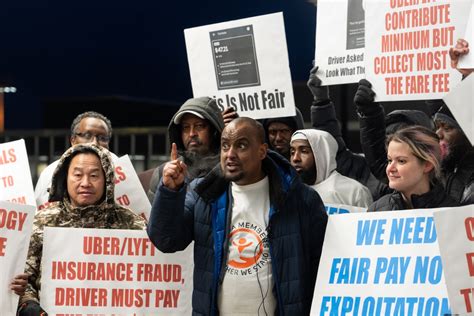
(18, 284)
(174, 171)
(461, 49)
(229, 114)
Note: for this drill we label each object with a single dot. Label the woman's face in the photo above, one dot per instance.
(405, 172)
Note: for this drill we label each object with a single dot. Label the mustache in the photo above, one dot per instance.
(194, 139)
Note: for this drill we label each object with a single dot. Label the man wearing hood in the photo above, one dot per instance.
(257, 229)
(313, 154)
(83, 194)
(457, 164)
(279, 131)
(196, 130)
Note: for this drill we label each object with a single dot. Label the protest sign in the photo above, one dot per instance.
(111, 271)
(16, 185)
(340, 32)
(16, 221)
(407, 57)
(244, 65)
(455, 230)
(128, 189)
(467, 61)
(343, 209)
(381, 263)
(460, 101)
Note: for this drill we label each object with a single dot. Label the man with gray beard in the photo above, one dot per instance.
(196, 129)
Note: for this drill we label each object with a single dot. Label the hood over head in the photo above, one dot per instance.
(205, 108)
(294, 122)
(58, 188)
(324, 148)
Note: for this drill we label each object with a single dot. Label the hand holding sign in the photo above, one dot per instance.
(229, 114)
(314, 84)
(18, 284)
(174, 171)
(461, 49)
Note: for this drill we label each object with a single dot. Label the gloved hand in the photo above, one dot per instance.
(31, 308)
(364, 98)
(320, 93)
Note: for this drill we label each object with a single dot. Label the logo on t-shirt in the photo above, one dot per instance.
(248, 249)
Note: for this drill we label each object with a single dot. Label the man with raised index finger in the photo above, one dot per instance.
(257, 229)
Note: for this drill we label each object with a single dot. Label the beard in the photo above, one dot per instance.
(198, 164)
(308, 176)
(455, 153)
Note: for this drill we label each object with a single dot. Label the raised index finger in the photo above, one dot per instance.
(174, 152)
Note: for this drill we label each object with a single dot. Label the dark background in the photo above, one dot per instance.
(122, 58)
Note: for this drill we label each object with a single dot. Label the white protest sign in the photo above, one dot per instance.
(460, 102)
(407, 56)
(380, 263)
(16, 222)
(340, 43)
(467, 61)
(110, 271)
(128, 189)
(455, 230)
(343, 209)
(244, 65)
(16, 185)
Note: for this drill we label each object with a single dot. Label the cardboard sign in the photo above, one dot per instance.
(128, 189)
(460, 102)
(244, 65)
(381, 263)
(407, 57)
(467, 61)
(340, 41)
(16, 222)
(455, 229)
(113, 271)
(15, 177)
(343, 209)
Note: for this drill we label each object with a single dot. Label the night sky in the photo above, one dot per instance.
(65, 49)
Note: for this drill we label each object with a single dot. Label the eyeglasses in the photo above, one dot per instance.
(89, 137)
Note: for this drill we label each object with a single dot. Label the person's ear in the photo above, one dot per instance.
(72, 140)
(428, 167)
(262, 153)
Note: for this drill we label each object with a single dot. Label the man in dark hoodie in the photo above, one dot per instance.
(457, 153)
(196, 129)
(279, 130)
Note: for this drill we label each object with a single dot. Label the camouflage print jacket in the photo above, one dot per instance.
(107, 214)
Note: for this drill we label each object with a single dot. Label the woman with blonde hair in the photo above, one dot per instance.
(413, 172)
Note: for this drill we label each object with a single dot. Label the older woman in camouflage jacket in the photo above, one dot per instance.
(83, 192)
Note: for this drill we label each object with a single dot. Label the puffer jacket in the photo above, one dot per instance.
(434, 198)
(208, 108)
(200, 213)
(106, 214)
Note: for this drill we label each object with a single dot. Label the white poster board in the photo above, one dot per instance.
(460, 102)
(455, 228)
(128, 189)
(343, 209)
(244, 65)
(407, 56)
(381, 263)
(16, 185)
(16, 222)
(467, 61)
(340, 42)
(110, 271)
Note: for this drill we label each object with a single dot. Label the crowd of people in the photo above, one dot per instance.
(227, 172)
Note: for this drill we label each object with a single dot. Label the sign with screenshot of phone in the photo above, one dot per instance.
(243, 64)
(235, 59)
